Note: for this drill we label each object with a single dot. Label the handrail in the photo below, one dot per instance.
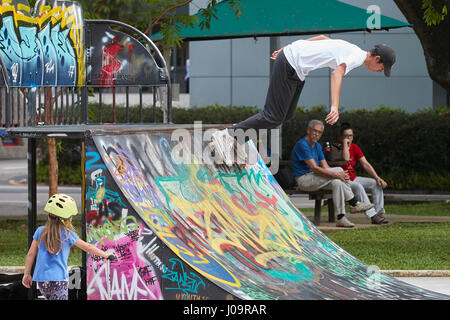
(160, 61)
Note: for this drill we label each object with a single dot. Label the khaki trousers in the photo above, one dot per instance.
(341, 190)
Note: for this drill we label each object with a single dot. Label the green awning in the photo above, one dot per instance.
(264, 18)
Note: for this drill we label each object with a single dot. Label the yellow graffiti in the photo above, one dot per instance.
(260, 223)
(67, 17)
(120, 164)
(260, 231)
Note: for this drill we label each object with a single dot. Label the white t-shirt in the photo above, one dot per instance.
(305, 55)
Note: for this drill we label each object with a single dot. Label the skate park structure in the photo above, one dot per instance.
(186, 230)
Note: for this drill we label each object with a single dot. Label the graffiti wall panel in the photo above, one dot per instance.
(236, 227)
(145, 268)
(118, 59)
(46, 47)
(43, 48)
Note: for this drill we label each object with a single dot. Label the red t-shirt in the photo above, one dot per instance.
(355, 154)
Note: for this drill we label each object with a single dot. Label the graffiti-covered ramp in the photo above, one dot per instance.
(188, 230)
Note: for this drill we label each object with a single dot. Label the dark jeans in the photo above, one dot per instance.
(282, 98)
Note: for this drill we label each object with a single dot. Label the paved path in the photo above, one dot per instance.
(437, 284)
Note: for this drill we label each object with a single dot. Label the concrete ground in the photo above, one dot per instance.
(437, 284)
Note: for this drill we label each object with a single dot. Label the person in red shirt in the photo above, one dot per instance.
(353, 154)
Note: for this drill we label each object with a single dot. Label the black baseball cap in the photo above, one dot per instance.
(387, 57)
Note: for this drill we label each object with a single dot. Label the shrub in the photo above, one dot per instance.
(410, 151)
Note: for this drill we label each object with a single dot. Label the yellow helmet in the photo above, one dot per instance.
(61, 205)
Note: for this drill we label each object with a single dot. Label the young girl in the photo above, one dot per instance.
(51, 243)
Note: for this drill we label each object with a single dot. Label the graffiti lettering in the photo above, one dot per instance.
(183, 281)
(46, 49)
(121, 288)
(110, 229)
(92, 159)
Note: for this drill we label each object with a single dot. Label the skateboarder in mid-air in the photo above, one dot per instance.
(292, 64)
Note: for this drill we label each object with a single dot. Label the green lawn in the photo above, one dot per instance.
(420, 209)
(402, 246)
(14, 243)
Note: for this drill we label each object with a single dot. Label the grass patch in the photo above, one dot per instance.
(419, 209)
(14, 243)
(403, 246)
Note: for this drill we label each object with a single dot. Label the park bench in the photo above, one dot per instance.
(318, 196)
(327, 195)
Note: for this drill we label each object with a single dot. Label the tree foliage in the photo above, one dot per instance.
(431, 15)
(432, 26)
(148, 15)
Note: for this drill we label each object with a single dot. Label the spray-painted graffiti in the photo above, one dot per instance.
(118, 59)
(235, 227)
(112, 229)
(110, 64)
(142, 265)
(136, 188)
(128, 278)
(207, 203)
(105, 204)
(187, 283)
(46, 48)
(52, 45)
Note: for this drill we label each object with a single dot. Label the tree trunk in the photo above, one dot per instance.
(52, 167)
(435, 40)
(51, 143)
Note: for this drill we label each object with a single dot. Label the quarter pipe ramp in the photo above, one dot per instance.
(198, 231)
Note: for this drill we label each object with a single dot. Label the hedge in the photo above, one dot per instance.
(409, 150)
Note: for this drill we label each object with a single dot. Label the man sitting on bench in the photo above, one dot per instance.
(312, 173)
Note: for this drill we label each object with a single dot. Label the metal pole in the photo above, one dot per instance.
(84, 105)
(83, 222)
(32, 217)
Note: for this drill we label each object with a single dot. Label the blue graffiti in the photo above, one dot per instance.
(187, 283)
(92, 158)
(109, 195)
(41, 53)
